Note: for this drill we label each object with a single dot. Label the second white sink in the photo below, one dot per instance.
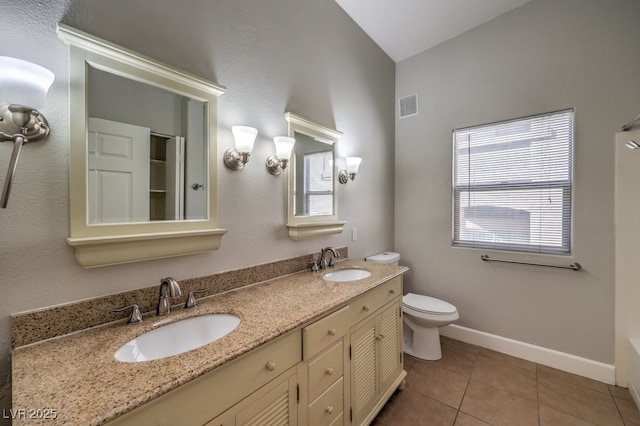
(177, 337)
(351, 274)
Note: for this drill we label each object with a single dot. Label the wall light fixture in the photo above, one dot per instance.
(353, 164)
(244, 137)
(23, 89)
(284, 147)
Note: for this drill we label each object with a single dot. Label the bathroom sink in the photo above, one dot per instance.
(177, 337)
(351, 274)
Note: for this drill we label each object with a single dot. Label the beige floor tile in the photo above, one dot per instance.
(410, 408)
(466, 420)
(508, 359)
(619, 392)
(584, 403)
(408, 362)
(506, 377)
(460, 345)
(455, 359)
(564, 377)
(629, 411)
(551, 417)
(440, 384)
(497, 407)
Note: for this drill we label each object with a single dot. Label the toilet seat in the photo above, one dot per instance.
(427, 305)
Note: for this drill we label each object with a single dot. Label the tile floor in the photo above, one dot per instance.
(473, 386)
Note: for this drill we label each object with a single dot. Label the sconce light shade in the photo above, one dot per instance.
(23, 83)
(353, 164)
(23, 89)
(284, 147)
(244, 137)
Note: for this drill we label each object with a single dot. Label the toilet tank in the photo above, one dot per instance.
(387, 257)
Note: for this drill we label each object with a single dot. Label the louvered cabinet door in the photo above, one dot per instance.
(364, 371)
(274, 405)
(389, 336)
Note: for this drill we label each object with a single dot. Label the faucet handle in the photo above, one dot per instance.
(191, 298)
(314, 266)
(135, 316)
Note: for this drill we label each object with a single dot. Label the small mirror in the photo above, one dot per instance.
(142, 156)
(312, 202)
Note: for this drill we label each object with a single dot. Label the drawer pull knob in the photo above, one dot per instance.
(332, 331)
(329, 371)
(365, 308)
(392, 292)
(270, 365)
(380, 337)
(329, 409)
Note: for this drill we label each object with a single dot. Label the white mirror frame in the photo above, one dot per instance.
(108, 244)
(304, 227)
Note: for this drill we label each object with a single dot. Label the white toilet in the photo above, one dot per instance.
(423, 315)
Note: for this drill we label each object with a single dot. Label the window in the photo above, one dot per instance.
(512, 184)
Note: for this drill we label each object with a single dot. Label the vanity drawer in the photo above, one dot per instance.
(328, 406)
(325, 369)
(374, 299)
(324, 332)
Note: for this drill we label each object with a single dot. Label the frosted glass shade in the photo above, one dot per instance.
(353, 164)
(23, 83)
(244, 138)
(284, 146)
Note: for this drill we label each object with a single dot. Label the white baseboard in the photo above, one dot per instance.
(562, 361)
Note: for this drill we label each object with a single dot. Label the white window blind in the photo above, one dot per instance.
(512, 184)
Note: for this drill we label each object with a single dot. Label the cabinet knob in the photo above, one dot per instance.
(332, 331)
(365, 308)
(329, 409)
(329, 371)
(270, 365)
(380, 336)
(392, 292)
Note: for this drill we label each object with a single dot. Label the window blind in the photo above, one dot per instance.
(512, 184)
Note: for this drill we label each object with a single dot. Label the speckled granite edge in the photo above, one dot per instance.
(41, 324)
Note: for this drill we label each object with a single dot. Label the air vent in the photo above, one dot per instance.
(408, 106)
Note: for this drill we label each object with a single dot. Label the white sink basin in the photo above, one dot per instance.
(176, 338)
(351, 274)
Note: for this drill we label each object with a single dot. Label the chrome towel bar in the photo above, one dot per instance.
(574, 266)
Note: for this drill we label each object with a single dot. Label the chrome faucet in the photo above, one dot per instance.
(324, 263)
(168, 288)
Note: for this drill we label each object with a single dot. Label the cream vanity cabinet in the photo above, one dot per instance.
(338, 370)
(376, 368)
(353, 359)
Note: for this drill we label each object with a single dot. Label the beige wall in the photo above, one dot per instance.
(546, 55)
(303, 56)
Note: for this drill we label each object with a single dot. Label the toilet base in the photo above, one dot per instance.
(423, 343)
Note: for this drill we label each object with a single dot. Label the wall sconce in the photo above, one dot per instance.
(353, 164)
(23, 89)
(284, 146)
(244, 137)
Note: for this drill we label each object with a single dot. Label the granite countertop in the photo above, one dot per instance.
(79, 381)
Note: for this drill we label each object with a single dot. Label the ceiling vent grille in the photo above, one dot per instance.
(408, 106)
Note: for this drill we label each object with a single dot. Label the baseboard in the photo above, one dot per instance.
(634, 370)
(562, 361)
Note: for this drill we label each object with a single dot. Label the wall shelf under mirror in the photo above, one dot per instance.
(312, 202)
(143, 155)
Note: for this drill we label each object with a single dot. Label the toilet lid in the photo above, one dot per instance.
(426, 304)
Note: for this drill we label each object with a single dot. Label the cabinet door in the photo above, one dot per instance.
(389, 335)
(364, 371)
(275, 404)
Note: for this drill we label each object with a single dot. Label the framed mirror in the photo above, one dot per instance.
(312, 202)
(142, 164)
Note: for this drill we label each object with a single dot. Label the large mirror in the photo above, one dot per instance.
(142, 156)
(312, 205)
